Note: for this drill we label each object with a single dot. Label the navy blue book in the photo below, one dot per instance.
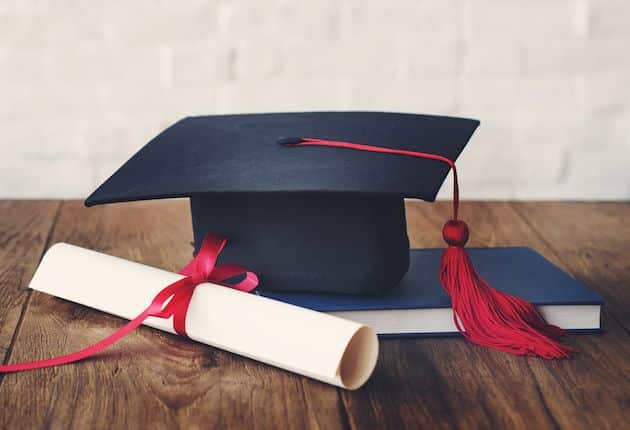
(419, 306)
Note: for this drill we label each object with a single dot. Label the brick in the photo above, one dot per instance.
(43, 159)
(431, 60)
(516, 166)
(150, 102)
(561, 57)
(521, 20)
(201, 64)
(25, 7)
(549, 95)
(41, 140)
(283, 95)
(609, 18)
(58, 178)
(491, 57)
(422, 23)
(52, 25)
(100, 64)
(348, 58)
(596, 173)
(606, 92)
(146, 24)
(609, 129)
(431, 96)
(263, 58)
(483, 96)
(115, 140)
(543, 133)
(282, 19)
(606, 55)
(59, 158)
(581, 17)
(478, 96)
(345, 59)
(42, 102)
(20, 66)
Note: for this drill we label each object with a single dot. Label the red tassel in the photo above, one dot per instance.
(482, 314)
(490, 317)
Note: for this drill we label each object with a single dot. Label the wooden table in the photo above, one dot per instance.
(152, 379)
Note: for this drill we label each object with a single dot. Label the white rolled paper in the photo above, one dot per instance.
(320, 346)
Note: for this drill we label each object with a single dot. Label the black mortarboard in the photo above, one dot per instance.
(318, 219)
(329, 216)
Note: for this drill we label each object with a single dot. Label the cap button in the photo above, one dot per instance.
(455, 233)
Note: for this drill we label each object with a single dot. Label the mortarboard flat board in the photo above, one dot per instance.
(315, 220)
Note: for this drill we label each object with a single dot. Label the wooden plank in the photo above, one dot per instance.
(447, 383)
(593, 240)
(150, 379)
(590, 241)
(24, 230)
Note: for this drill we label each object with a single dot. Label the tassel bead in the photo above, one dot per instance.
(455, 233)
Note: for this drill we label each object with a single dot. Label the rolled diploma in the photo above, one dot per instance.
(320, 346)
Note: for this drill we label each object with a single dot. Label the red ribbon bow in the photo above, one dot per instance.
(172, 301)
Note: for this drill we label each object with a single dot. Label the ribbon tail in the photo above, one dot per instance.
(82, 354)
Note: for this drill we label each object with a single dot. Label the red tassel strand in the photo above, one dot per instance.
(482, 314)
(490, 317)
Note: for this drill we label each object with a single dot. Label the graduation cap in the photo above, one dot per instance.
(328, 217)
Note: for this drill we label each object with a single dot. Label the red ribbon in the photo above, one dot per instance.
(172, 301)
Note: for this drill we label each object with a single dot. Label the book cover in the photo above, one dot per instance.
(520, 271)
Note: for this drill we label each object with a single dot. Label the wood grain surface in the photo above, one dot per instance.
(152, 379)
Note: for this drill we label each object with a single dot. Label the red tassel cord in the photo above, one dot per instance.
(490, 317)
(482, 314)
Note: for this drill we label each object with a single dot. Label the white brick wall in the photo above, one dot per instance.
(83, 85)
